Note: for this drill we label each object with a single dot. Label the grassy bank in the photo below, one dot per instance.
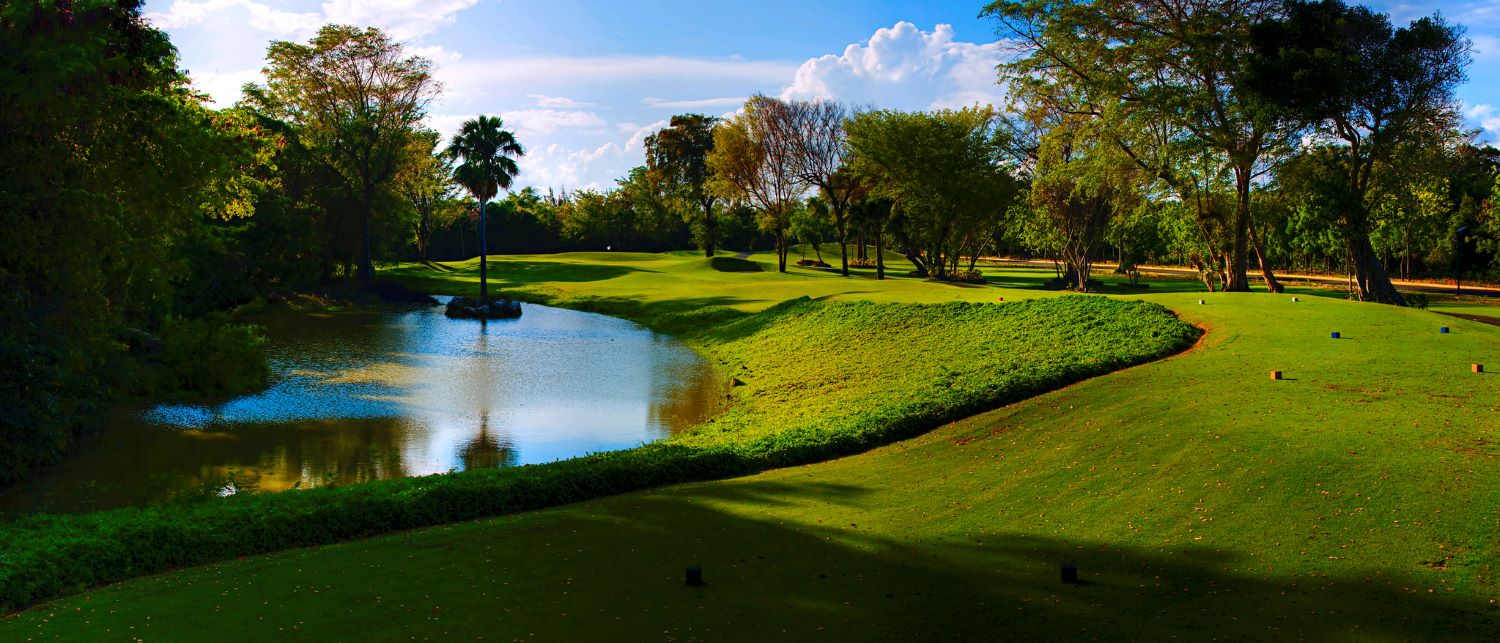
(815, 380)
(1354, 500)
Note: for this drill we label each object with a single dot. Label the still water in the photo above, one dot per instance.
(373, 395)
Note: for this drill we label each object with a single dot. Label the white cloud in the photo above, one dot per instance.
(557, 102)
(535, 122)
(1487, 117)
(186, 13)
(572, 169)
(904, 67)
(404, 19)
(694, 104)
(223, 88)
(637, 140)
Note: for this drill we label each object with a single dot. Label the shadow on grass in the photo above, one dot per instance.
(767, 578)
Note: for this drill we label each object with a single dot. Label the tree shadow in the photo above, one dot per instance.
(767, 579)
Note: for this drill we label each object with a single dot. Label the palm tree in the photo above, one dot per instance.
(487, 155)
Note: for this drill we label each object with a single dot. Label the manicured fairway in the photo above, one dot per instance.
(1357, 499)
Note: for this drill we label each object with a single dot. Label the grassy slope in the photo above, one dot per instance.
(1358, 499)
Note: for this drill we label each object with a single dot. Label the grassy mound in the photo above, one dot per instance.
(863, 393)
(732, 264)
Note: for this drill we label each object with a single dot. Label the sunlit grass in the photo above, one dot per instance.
(1357, 499)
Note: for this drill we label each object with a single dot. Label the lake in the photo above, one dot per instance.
(362, 396)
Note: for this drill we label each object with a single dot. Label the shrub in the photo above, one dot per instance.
(1415, 300)
(204, 356)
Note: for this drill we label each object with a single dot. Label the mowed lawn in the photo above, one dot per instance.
(1357, 499)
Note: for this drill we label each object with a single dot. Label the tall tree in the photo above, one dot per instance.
(1166, 76)
(358, 100)
(942, 170)
(1370, 89)
(487, 154)
(427, 184)
(753, 160)
(678, 154)
(820, 149)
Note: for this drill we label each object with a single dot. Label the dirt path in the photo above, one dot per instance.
(1418, 286)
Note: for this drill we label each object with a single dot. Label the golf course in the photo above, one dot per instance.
(1357, 498)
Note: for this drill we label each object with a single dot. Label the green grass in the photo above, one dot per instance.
(1359, 499)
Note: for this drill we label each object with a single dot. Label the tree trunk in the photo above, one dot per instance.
(861, 249)
(710, 229)
(781, 250)
(1374, 282)
(484, 248)
(366, 263)
(1236, 269)
(879, 254)
(1265, 269)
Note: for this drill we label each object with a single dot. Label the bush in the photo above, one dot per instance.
(909, 368)
(966, 276)
(868, 262)
(205, 356)
(1415, 300)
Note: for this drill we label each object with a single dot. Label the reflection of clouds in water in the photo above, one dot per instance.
(364, 396)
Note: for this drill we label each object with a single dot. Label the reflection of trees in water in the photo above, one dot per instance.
(682, 394)
(334, 451)
(485, 451)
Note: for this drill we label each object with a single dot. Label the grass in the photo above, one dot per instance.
(1359, 499)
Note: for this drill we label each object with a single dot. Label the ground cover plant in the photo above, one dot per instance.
(811, 380)
(1352, 500)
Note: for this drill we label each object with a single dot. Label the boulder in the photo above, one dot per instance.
(473, 308)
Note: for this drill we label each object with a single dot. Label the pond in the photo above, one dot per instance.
(371, 395)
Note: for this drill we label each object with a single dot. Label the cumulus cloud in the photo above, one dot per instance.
(904, 67)
(543, 122)
(223, 88)
(562, 167)
(1487, 117)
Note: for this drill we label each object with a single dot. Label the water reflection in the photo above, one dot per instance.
(366, 396)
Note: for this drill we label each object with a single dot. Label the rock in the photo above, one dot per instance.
(141, 342)
(472, 308)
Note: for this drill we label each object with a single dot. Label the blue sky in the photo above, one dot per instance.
(583, 82)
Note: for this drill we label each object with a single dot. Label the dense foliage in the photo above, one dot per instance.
(108, 231)
(887, 372)
(1314, 134)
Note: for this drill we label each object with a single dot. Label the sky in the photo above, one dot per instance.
(582, 83)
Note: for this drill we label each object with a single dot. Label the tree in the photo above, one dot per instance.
(752, 160)
(943, 172)
(872, 216)
(1369, 90)
(819, 146)
(1165, 78)
(810, 224)
(487, 154)
(358, 101)
(108, 164)
(1078, 182)
(678, 154)
(427, 184)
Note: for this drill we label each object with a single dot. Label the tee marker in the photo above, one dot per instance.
(1275, 375)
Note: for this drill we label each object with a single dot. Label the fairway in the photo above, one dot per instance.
(1357, 499)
